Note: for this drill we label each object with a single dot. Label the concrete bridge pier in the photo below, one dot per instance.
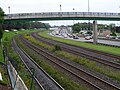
(95, 32)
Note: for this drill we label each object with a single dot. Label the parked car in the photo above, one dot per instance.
(118, 37)
(88, 37)
(111, 37)
(69, 35)
(75, 37)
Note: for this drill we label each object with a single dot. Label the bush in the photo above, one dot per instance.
(3, 83)
(113, 34)
(57, 48)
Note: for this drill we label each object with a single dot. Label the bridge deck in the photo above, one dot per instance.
(63, 16)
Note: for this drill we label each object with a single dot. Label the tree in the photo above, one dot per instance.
(112, 27)
(1, 21)
(76, 28)
(24, 25)
(84, 26)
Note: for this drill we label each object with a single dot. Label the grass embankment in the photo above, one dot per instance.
(61, 78)
(115, 74)
(4, 76)
(108, 49)
(7, 37)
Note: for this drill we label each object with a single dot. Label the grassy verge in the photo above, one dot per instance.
(1, 55)
(108, 49)
(7, 37)
(91, 64)
(61, 78)
(4, 75)
(115, 74)
(21, 69)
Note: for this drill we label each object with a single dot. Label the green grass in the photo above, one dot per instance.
(38, 43)
(7, 36)
(61, 78)
(1, 56)
(21, 70)
(108, 49)
(115, 74)
(3, 73)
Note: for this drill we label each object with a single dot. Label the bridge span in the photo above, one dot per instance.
(43, 16)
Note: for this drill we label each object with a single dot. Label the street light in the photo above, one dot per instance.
(9, 16)
(73, 14)
(88, 13)
(60, 8)
(88, 6)
(9, 9)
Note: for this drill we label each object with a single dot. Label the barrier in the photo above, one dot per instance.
(16, 81)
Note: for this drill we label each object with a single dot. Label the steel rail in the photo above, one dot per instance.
(39, 68)
(76, 52)
(36, 50)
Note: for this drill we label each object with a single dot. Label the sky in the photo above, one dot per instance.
(31, 6)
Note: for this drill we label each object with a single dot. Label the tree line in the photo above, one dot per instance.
(1, 21)
(89, 26)
(24, 25)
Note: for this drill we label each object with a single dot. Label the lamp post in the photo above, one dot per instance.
(60, 8)
(88, 6)
(73, 14)
(88, 14)
(73, 10)
(9, 9)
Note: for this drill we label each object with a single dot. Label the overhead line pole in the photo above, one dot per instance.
(73, 14)
(88, 12)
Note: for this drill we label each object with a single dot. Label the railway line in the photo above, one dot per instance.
(94, 81)
(43, 80)
(98, 56)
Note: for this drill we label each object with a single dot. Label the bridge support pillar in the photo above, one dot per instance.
(95, 32)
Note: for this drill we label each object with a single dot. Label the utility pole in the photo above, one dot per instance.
(9, 26)
(88, 13)
(88, 6)
(9, 11)
(60, 8)
(73, 14)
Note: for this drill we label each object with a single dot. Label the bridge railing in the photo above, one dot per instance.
(61, 14)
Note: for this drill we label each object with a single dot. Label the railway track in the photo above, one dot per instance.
(104, 58)
(44, 80)
(94, 81)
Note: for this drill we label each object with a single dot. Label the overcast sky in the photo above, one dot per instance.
(28, 6)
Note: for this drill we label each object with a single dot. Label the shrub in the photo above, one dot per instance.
(113, 34)
(57, 48)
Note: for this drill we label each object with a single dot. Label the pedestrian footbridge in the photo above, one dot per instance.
(43, 16)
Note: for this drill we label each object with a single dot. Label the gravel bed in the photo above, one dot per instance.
(94, 73)
(81, 50)
(46, 82)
